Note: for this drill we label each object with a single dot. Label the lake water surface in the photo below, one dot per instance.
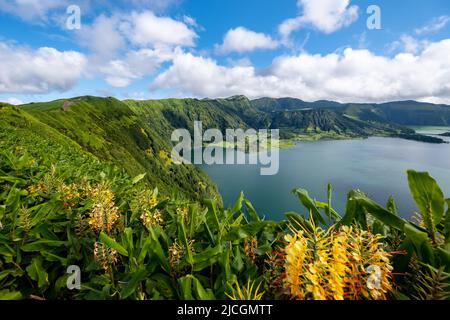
(377, 166)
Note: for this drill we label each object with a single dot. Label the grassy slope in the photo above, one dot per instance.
(110, 130)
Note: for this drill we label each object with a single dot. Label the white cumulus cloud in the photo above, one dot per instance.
(351, 76)
(324, 15)
(243, 40)
(145, 28)
(42, 70)
(135, 65)
(135, 46)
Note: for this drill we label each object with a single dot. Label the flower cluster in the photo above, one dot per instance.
(151, 219)
(104, 214)
(176, 254)
(39, 187)
(145, 205)
(347, 263)
(104, 256)
(183, 213)
(250, 247)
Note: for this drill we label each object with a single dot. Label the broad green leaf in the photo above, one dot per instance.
(428, 197)
(421, 243)
(145, 249)
(206, 258)
(133, 283)
(380, 213)
(238, 263)
(235, 234)
(10, 295)
(42, 245)
(330, 212)
(298, 222)
(238, 204)
(226, 264)
(212, 206)
(309, 204)
(251, 211)
(6, 250)
(187, 247)
(53, 257)
(158, 250)
(138, 178)
(110, 242)
(355, 212)
(37, 272)
(186, 288)
(201, 293)
(10, 272)
(391, 206)
(128, 239)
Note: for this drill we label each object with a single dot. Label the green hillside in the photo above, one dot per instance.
(110, 130)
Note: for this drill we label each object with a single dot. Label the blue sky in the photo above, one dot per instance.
(146, 49)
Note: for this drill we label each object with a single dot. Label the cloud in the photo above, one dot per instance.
(435, 25)
(243, 40)
(32, 10)
(324, 15)
(351, 76)
(139, 29)
(42, 70)
(45, 11)
(135, 46)
(135, 65)
(94, 36)
(14, 101)
(147, 29)
(188, 20)
(408, 44)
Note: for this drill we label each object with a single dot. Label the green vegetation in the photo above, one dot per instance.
(112, 132)
(92, 185)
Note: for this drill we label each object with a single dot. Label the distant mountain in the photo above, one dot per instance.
(283, 104)
(400, 112)
(403, 113)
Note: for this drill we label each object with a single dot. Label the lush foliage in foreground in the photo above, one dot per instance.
(131, 244)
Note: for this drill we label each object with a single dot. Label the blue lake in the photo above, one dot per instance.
(377, 166)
